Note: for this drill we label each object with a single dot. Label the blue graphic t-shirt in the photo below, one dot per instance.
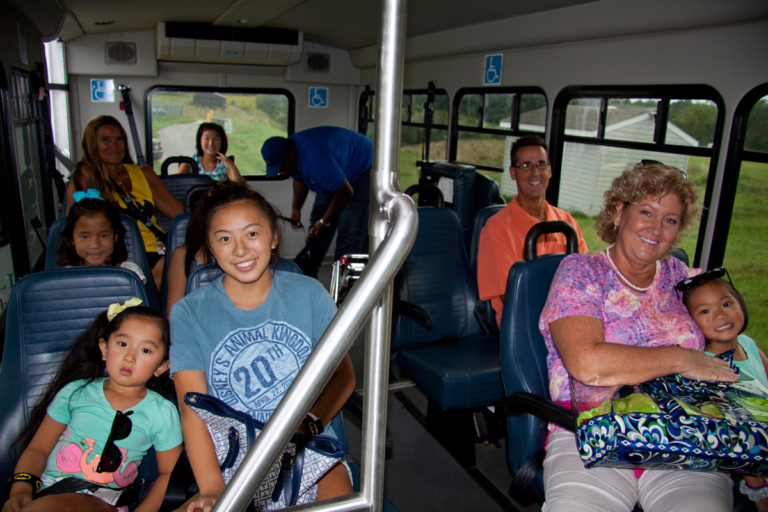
(250, 358)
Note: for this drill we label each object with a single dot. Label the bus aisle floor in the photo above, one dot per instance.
(420, 475)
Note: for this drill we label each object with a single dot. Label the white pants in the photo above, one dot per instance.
(569, 487)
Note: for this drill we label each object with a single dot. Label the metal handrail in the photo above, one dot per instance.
(393, 226)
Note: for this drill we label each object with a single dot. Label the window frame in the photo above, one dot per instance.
(366, 110)
(514, 131)
(24, 109)
(665, 94)
(224, 90)
(735, 156)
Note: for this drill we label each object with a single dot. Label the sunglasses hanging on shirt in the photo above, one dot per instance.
(111, 457)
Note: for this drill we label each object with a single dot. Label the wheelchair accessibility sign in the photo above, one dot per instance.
(102, 90)
(318, 97)
(493, 65)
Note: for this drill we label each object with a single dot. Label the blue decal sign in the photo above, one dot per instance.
(318, 97)
(102, 90)
(493, 65)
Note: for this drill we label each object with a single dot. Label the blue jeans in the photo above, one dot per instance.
(352, 224)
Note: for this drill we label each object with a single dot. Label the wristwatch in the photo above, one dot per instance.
(326, 224)
(313, 424)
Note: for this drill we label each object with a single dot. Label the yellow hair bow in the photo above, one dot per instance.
(117, 308)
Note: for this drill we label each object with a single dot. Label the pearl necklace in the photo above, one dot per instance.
(627, 281)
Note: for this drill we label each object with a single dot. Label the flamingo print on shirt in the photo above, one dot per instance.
(70, 458)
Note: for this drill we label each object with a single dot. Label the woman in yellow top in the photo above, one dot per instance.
(107, 167)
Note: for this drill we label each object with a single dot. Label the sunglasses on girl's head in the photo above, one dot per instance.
(111, 457)
(709, 275)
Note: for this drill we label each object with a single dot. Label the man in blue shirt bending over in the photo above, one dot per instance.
(334, 163)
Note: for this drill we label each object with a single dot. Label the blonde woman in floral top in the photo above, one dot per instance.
(613, 318)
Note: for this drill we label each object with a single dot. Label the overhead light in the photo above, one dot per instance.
(242, 21)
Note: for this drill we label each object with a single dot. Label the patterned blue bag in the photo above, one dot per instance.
(676, 423)
(292, 480)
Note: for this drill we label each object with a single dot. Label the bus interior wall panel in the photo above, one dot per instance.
(580, 22)
(87, 55)
(712, 56)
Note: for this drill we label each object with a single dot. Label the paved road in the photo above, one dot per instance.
(178, 140)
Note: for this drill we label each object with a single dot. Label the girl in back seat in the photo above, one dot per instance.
(244, 337)
(94, 235)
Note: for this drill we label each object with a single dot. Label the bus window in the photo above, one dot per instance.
(412, 132)
(26, 130)
(597, 133)
(249, 117)
(487, 121)
(746, 249)
(59, 103)
(696, 119)
(629, 119)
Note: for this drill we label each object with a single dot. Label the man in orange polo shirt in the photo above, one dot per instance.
(502, 238)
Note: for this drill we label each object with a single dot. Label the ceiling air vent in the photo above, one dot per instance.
(319, 62)
(119, 52)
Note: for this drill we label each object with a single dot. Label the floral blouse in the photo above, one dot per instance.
(587, 285)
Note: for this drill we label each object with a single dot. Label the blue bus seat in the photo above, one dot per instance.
(483, 310)
(205, 274)
(462, 178)
(428, 195)
(194, 170)
(177, 185)
(524, 366)
(455, 363)
(681, 255)
(487, 192)
(177, 233)
(46, 312)
(524, 356)
(193, 195)
(133, 243)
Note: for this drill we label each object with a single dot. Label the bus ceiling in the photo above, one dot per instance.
(351, 25)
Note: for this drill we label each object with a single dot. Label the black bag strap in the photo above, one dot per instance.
(291, 468)
(547, 410)
(135, 212)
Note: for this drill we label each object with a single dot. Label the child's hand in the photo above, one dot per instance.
(17, 502)
(693, 272)
(203, 503)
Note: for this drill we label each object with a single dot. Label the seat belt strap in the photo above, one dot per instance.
(125, 90)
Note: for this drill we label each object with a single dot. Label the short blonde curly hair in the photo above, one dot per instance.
(642, 181)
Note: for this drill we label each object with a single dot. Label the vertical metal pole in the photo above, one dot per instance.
(391, 213)
(385, 173)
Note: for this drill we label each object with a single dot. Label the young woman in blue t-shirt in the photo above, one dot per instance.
(244, 337)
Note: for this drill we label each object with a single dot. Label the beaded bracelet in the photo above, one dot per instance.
(755, 495)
